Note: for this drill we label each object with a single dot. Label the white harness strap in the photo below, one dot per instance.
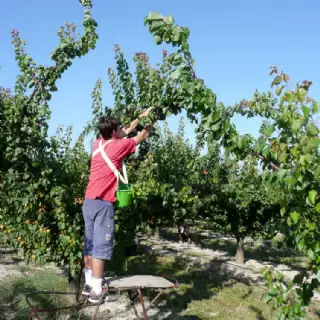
(100, 149)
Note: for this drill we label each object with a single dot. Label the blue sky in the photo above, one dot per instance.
(234, 43)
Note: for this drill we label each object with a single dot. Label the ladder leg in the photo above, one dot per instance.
(133, 304)
(84, 305)
(99, 304)
(142, 305)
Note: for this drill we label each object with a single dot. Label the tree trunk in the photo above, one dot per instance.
(195, 238)
(195, 235)
(157, 233)
(240, 251)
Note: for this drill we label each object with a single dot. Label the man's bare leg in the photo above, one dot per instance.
(88, 269)
(97, 268)
(97, 273)
(88, 262)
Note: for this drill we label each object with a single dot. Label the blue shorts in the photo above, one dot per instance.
(99, 228)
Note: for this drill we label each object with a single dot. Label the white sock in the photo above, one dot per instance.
(88, 276)
(96, 285)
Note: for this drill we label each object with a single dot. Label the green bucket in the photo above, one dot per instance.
(124, 196)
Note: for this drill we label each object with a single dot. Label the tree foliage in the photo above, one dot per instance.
(235, 198)
(163, 184)
(42, 179)
(288, 144)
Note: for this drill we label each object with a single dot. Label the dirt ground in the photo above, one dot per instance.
(118, 306)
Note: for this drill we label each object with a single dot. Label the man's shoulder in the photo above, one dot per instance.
(120, 143)
(122, 148)
(95, 144)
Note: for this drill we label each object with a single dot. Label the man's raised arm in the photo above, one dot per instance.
(142, 135)
(129, 128)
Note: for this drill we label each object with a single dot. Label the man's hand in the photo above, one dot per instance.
(130, 128)
(145, 113)
(143, 135)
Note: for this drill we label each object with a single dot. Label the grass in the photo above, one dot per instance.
(204, 292)
(241, 302)
(207, 291)
(13, 290)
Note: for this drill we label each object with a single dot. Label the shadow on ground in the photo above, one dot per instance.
(204, 288)
(9, 257)
(13, 296)
(197, 283)
(263, 252)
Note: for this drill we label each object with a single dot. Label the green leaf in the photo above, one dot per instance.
(266, 151)
(26, 176)
(300, 243)
(312, 196)
(279, 90)
(290, 96)
(186, 31)
(156, 25)
(290, 180)
(269, 130)
(311, 226)
(311, 254)
(315, 141)
(226, 126)
(309, 158)
(175, 34)
(272, 292)
(306, 110)
(157, 39)
(63, 45)
(312, 129)
(295, 216)
(215, 127)
(170, 19)
(296, 125)
(283, 157)
(154, 16)
(301, 94)
(238, 141)
(277, 80)
(177, 60)
(317, 172)
(318, 207)
(302, 160)
(176, 74)
(53, 88)
(304, 140)
(315, 107)
(191, 88)
(283, 147)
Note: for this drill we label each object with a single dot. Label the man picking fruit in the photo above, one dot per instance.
(98, 211)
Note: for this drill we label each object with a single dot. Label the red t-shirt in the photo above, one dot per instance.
(102, 181)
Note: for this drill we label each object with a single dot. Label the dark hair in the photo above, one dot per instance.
(107, 125)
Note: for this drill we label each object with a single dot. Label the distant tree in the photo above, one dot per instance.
(234, 196)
